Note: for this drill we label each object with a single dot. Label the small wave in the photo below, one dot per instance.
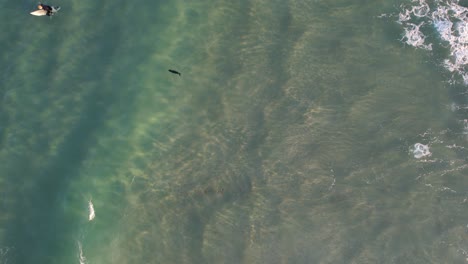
(465, 128)
(4, 254)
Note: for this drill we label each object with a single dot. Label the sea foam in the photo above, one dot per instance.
(420, 150)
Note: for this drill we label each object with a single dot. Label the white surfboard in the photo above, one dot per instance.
(39, 12)
(42, 12)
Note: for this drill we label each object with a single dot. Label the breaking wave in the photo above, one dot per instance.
(449, 19)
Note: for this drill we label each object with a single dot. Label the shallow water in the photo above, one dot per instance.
(288, 138)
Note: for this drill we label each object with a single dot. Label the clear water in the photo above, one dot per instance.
(292, 135)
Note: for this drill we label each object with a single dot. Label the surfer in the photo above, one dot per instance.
(50, 10)
(175, 72)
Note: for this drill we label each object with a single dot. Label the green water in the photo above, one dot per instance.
(285, 140)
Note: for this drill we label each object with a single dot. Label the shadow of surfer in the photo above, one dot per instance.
(175, 72)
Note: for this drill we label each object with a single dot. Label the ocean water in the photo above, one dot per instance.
(300, 131)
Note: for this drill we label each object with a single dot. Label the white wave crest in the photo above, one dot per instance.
(91, 213)
(81, 256)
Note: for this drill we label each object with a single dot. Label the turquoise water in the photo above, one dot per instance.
(287, 138)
